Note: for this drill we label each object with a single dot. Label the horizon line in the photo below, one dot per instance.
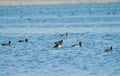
(12, 3)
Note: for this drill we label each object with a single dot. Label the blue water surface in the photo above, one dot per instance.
(96, 25)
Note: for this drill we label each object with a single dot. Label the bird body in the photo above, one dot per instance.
(6, 44)
(66, 34)
(77, 45)
(109, 50)
(26, 40)
(58, 43)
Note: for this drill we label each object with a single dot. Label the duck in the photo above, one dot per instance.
(6, 44)
(66, 34)
(77, 45)
(58, 44)
(108, 49)
(26, 40)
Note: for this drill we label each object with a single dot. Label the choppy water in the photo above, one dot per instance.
(96, 25)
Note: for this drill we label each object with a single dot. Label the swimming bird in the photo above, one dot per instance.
(77, 45)
(6, 44)
(108, 50)
(58, 44)
(26, 40)
(66, 34)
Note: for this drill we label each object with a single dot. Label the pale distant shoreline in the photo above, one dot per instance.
(46, 2)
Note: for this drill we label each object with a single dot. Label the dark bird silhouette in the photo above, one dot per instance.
(6, 44)
(58, 43)
(108, 50)
(26, 40)
(66, 34)
(77, 45)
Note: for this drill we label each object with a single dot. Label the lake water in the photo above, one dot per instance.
(96, 25)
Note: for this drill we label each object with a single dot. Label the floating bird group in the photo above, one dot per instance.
(9, 43)
(58, 44)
